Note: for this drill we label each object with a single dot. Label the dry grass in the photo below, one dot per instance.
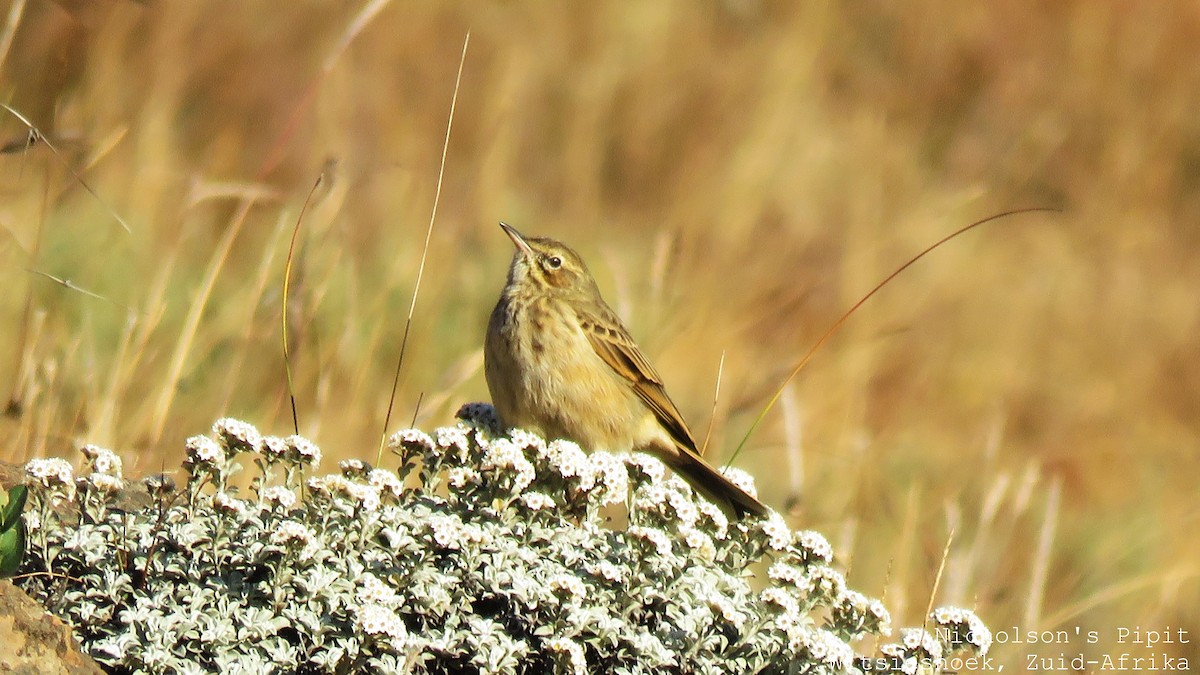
(737, 173)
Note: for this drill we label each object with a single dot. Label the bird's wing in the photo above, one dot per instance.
(613, 344)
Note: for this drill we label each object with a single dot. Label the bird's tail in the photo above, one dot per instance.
(715, 486)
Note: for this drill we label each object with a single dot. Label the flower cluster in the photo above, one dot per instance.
(483, 552)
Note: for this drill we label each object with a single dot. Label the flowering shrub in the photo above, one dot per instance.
(483, 552)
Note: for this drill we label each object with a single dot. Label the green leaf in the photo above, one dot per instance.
(12, 547)
(14, 503)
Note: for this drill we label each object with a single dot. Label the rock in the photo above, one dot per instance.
(33, 641)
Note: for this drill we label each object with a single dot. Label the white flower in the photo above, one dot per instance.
(501, 453)
(237, 436)
(447, 530)
(607, 570)
(699, 541)
(203, 451)
(353, 468)
(727, 610)
(958, 619)
(915, 638)
(741, 479)
(537, 501)
(373, 591)
(367, 496)
(55, 475)
(827, 581)
(411, 439)
(304, 451)
(651, 496)
(685, 508)
(789, 574)
(948, 615)
(613, 477)
(223, 501)
(571, 461)
(778, 534)
(854, 600)
(102, 460)
(386, 481)
(317, 485)
(815, 546)
(978, 633)
(159, 484)
(720, 523)
(105, 482)
(476, 534)
(461, 476)
(655, 536)
(573, 651)
(884, 617)
(292, 534)
(648, 465)
(567, 584)
(781, 598)
(277, 495)
(527, 440)
(504, 454)
(331, 484)
(822, 646)
(380, 620)
(51, 472)
(454, 438)
(274, 448)
(859, 613)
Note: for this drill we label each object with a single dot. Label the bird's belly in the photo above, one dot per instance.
(560, 388)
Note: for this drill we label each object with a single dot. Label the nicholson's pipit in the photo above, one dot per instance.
(559, 363)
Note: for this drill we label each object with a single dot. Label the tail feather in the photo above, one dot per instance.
(715, 486)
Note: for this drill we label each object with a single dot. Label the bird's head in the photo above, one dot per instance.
(547, 265)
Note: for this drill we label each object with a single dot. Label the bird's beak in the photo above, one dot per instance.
(518, 239)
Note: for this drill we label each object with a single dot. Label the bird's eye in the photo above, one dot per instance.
(554, 262)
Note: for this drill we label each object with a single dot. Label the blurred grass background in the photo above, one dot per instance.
(736, 173)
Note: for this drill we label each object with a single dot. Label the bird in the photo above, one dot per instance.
(559, 362)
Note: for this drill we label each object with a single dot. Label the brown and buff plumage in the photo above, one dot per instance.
(559, 362)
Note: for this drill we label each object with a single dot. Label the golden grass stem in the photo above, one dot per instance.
(283, 313)
(187, 334)
(937, 579)
(261, 281)
(900, 570)
(21, 354)
(1071, 612)
(437, 195)
(712, 417)
(842, 319)
(1041, 558)
(793, 445)
(10, 29)
(35, 135)
(105, 420)
(72, 286)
